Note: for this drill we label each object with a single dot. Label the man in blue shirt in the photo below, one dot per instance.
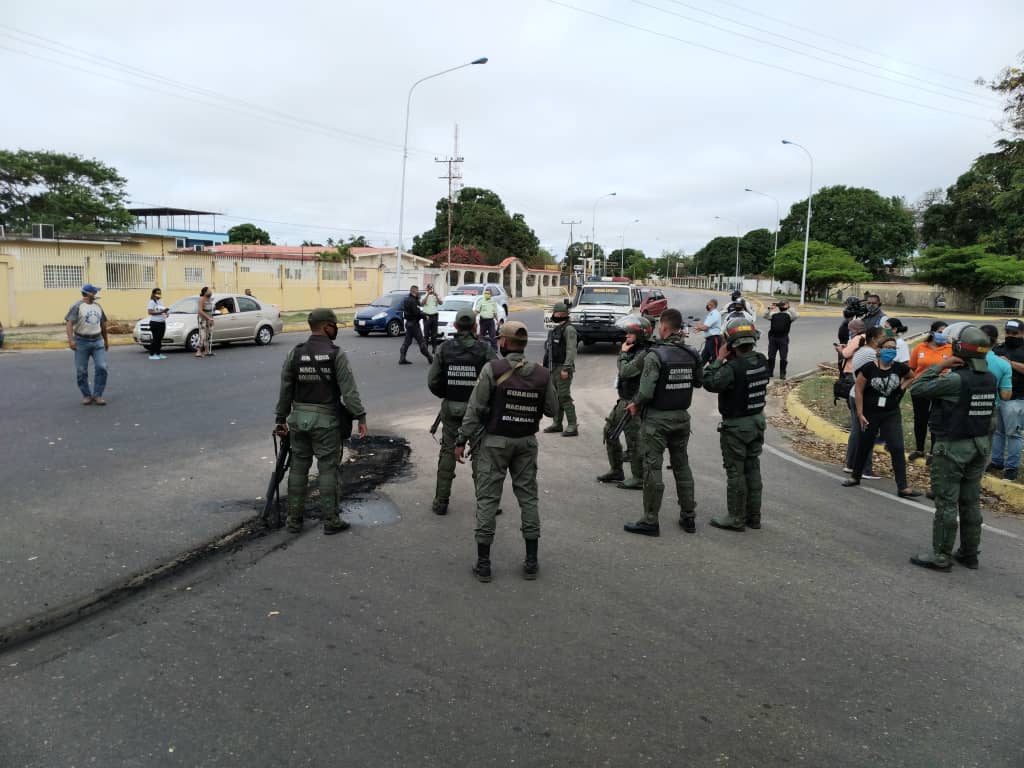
(997, 366)
(712, 328)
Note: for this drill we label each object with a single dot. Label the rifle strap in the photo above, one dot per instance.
(508, 374)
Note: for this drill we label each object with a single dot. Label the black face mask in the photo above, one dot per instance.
(1012, 342)
(505, 351)
(331, 331)
(560, 318)
(873, 308)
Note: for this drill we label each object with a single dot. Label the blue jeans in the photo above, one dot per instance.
(1008, 439)
(84, 349)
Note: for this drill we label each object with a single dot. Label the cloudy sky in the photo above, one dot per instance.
(291, 114)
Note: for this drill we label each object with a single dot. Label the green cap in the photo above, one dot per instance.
(464, 319)
(560, 308)
(321, 315)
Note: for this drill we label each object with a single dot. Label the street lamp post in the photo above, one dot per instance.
(593, 226)
(722, 218)
(405, 158)
(775, 253)
(807, 230)
(622, 247)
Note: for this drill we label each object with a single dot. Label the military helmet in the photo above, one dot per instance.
(738, 331)
(513, 329)
(971, 343)
(560, 307)
(636, 324)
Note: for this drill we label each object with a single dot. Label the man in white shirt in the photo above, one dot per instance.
(712, 328)
(86, 325)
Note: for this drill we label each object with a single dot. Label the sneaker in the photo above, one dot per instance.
(869, 476)
(1009, 474)
(154, 357)
(848, 470)
(163, 357)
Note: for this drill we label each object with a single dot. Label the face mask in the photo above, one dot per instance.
(890, 333)
(707, 308)
(939, 338)
(1012, 342)
(872, 308)
(887, 356)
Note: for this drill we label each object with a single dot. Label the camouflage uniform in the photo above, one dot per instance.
(560, 356)
(630, 366)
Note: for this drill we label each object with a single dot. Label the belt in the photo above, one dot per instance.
(84, 336)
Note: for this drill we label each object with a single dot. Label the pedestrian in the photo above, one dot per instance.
(860, 349)
(205, 310)
(933, 350)
(998, 366)
(671, 372)
(895, 329)
(248, 292)
(874, 317)
(1009, 434)
(157, 324)
(740, 377)
(780, 319)
(878, 392)
(86, 326)
(453, 374)
(318, 400)
(430, 305)
(747, 308)
(412, 314)
(560, 358)
(487, 313)
(502, 417)
(712, 328)
(1, 334)
(964, 392)
(630, 367)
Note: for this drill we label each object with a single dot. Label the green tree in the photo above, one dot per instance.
(971, 270)
(628, 257)
(248, 234)
(877, 231)
(71, 192)
(480, 220)
(341, 253)
(1010, 82)
(545, 256)
(718, 257)
(827, 265)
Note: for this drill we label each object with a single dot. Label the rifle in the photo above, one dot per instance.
(474, 441)
(435, 425)
(613, 436)
(271, 516)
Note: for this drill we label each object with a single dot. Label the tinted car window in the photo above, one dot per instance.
(396, 301)
(189, 306)
(247, 305)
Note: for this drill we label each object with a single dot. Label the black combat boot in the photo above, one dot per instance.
(967, 561)
(482, 569)
(612, 476)
(403, 361)
(439, 507)
(530, 566)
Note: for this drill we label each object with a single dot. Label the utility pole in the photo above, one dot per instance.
(454, 177)
(572, 272)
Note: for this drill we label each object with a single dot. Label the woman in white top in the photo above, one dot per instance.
(897, 327)
(205, 309)
(157, 324)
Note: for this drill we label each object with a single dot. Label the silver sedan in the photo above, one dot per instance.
(236, 317)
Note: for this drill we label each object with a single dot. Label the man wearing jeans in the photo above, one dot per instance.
(86, 325)
(1006, 444)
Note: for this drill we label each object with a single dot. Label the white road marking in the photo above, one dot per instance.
(883, 494)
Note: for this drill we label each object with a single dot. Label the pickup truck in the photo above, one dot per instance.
(596, 308)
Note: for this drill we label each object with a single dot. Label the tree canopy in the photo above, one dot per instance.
(248, 234)
(71, 192)
(877, 231)
(1011, 83)
(971, 270)
(827, 265)
(481, 221)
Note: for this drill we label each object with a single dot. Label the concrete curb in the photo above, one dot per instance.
(1009, 492)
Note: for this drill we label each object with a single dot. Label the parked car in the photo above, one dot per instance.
(477, 289)
(236, 317)
(452, 304)
(652, 303)
(384, 315)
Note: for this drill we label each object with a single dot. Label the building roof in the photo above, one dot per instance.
(504, 263)
(297, 252)
(171, 212)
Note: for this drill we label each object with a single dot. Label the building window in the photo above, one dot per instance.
(360, 275)
(63, 276)
(127, 275)
(180, 242)
(335, 273)
(194, 275)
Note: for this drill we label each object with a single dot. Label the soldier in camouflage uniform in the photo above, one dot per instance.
(740, 377)
(316, 382)
(453, 374)
(501, 421)
(670, 374)
(630, 366)
(961, 420)
(560, 357)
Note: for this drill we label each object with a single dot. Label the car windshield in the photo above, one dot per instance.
(619, 296)
(455, 303)
(382, 301)
(189, 306)
(468, 290)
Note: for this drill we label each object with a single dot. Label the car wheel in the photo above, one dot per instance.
(394, 328)
(264, 335)
(192, 341)
(363, 333)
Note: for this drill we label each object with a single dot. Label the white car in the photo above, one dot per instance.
(236, 317)
(452, 304)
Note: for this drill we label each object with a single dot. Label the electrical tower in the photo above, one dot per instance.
(454, 177)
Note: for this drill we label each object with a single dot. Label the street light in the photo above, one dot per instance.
(771, 288)
(405, 157)
(722, 218)
(593, 226)
(622, 247)
(807, 231)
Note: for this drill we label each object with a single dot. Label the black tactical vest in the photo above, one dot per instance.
(971, 415)
(461, 365)
(780, 324)
(627, 388)
(1015, 355)
(556, 345)
(313, 369)
(518, 403)
(750, 385)
(674, 390)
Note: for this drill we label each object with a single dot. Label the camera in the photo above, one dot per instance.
(854, 307)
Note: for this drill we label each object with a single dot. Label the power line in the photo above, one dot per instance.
(973, 94)
(749, 60)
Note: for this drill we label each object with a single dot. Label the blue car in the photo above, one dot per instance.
(384, 315)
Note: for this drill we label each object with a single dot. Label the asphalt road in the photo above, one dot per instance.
(811, 642)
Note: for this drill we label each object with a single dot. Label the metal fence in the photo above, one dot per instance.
(130, 271)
